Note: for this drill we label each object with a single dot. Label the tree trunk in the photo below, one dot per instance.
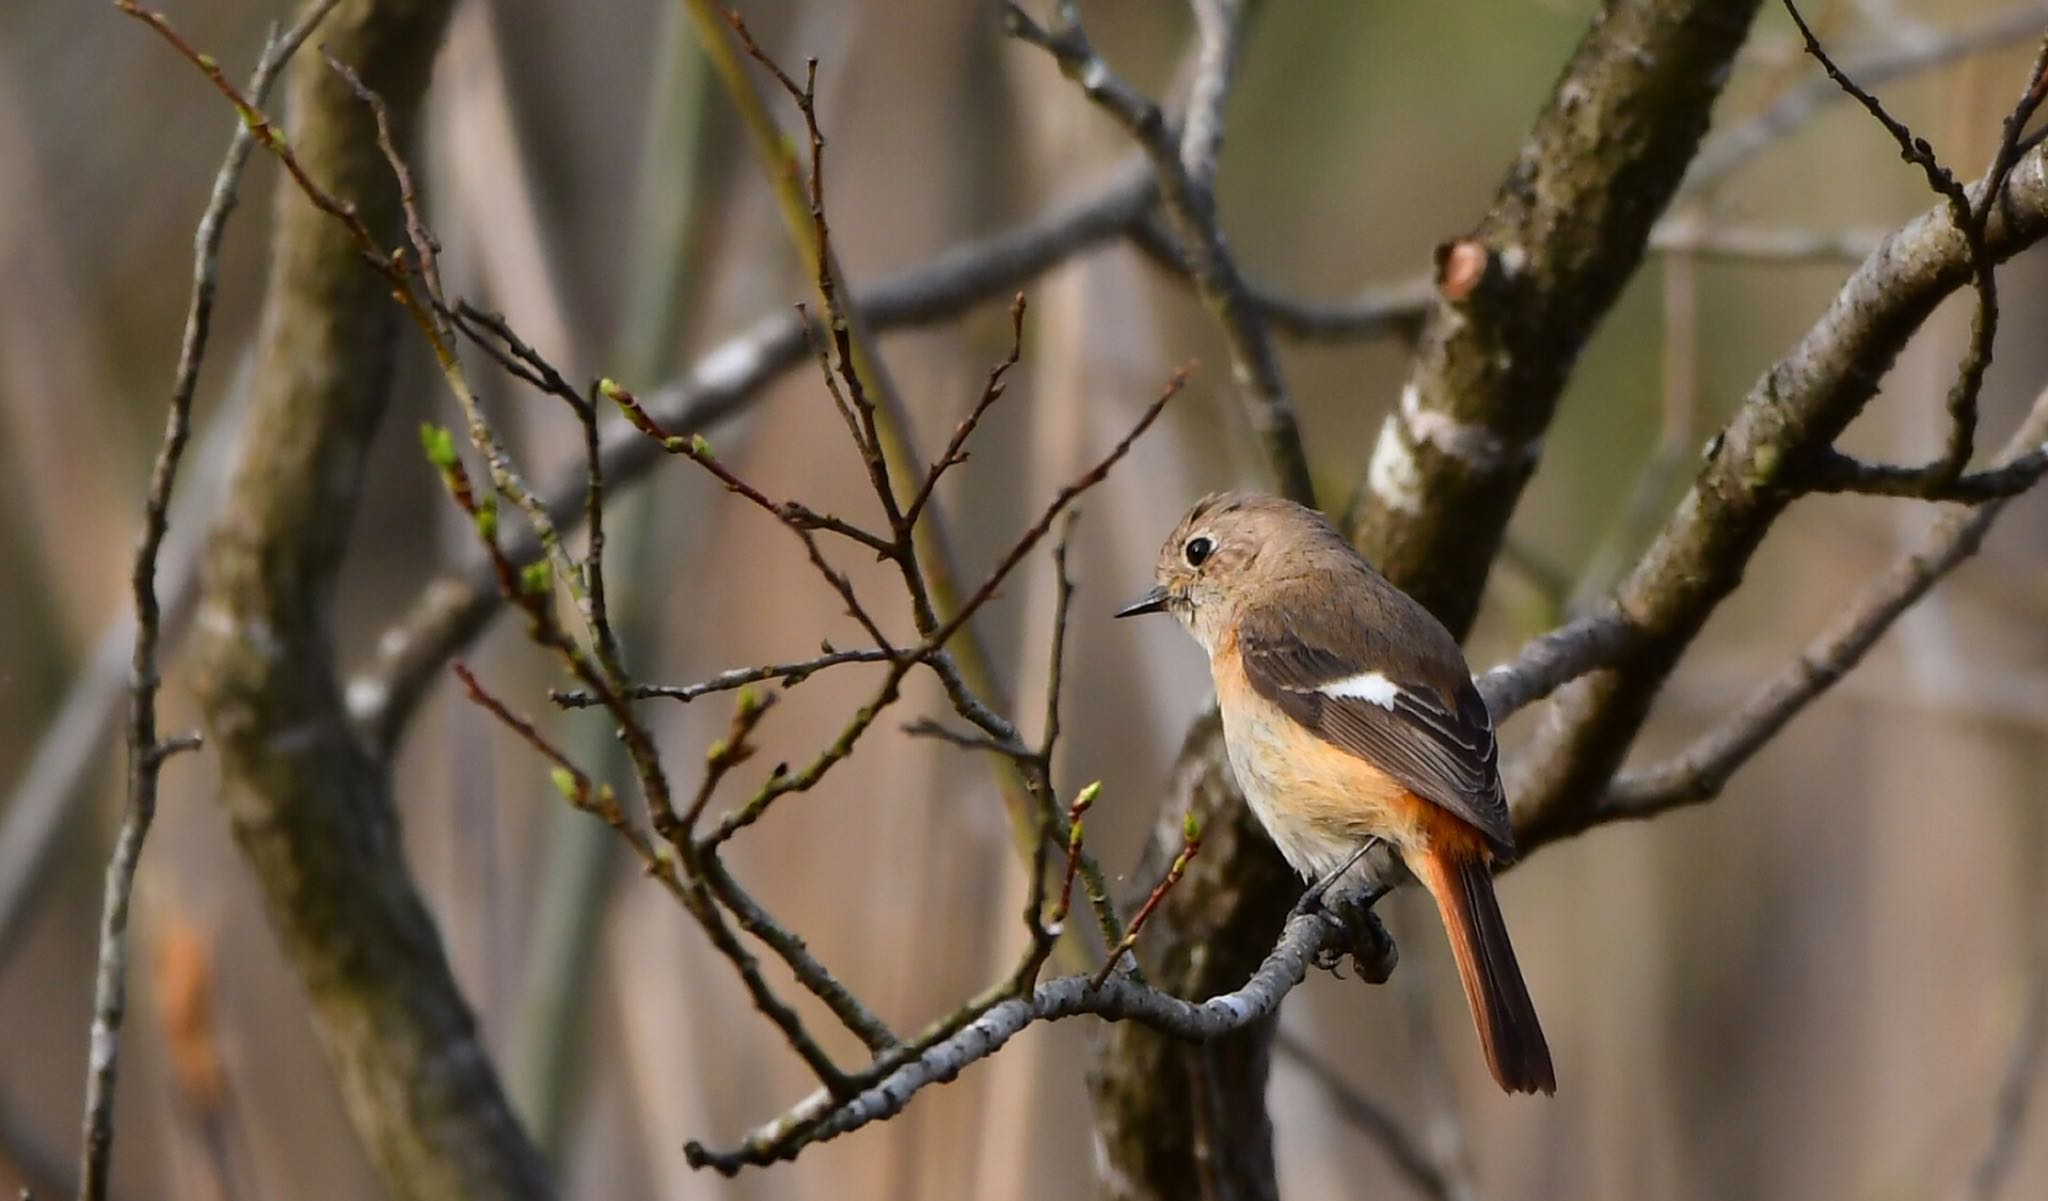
(310, 805)
(1565, 232)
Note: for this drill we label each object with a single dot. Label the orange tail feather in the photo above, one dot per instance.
(1455, 872)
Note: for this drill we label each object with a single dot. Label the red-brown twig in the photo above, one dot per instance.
(1191, 845)
(1061, 905)
(992, 391)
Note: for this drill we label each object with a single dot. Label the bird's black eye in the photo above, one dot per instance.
(1198, 550)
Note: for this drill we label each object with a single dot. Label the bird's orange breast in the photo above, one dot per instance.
(1316, 801)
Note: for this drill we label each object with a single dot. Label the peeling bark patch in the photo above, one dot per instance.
(1473, 445)
(1393, 475)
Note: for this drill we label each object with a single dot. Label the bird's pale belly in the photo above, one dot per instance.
(1315, 801)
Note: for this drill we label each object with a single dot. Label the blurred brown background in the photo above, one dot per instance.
(1811, 987)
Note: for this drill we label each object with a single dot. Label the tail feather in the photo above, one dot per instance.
(1509, 1032)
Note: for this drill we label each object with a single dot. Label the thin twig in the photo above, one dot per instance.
(146, 751)
(1191, 845)
(787, 674)
(992, 391)
(1970, 222)
(925, 727)
(1735, 146)
(1186, 169)
(2016, 1086)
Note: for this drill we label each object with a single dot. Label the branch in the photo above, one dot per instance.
(1834, 471)
(147, 752)
(1969, 221)
(1703, 769)
(454, 609)
(1729, 149)
(1118, 999)
(1186, 170)
(1756, 467)
(788, 674)
(310, 807)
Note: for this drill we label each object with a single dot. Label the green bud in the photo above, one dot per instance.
(1087, 795)
(439, 445)
(1191, 828)
(715, 752)
(610, 390)
(1766, 461)
(535, 579)
(700, 448)
(750, 701)
(487, 517)
(565, 783)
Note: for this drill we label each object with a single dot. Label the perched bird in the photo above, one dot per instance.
(1349, 715)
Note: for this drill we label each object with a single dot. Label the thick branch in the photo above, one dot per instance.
(1567, 230)
(1703, 769)
(310, 805)
(1757, 466)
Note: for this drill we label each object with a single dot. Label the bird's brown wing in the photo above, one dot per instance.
(1372, 700)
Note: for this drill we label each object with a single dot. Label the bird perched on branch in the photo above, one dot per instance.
(1350, 718)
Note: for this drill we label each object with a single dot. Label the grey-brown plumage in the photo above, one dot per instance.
(1349, 714)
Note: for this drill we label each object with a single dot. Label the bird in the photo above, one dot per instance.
(1350, 718)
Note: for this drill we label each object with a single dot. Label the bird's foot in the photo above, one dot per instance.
(1360, 934)
(1312, 900)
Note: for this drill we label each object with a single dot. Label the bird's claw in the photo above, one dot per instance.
(1359, 935)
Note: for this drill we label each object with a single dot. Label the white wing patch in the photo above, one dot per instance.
(1371, 686)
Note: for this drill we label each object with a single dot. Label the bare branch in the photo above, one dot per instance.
(1703, 769)
(1118, 999)
(2016, 1087)
(1755, 468)
(1186, 171)
(1729, 149)
(1969, 221)
(787, 674)
(956, 447)
(147, 752)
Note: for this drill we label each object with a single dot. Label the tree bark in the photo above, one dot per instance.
(310, 804)
(1565, 232)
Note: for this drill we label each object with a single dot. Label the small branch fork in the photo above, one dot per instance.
(1186, 169)
(1943, 478)
(147, 750)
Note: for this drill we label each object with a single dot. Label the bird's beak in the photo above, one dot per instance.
(1152, 602)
